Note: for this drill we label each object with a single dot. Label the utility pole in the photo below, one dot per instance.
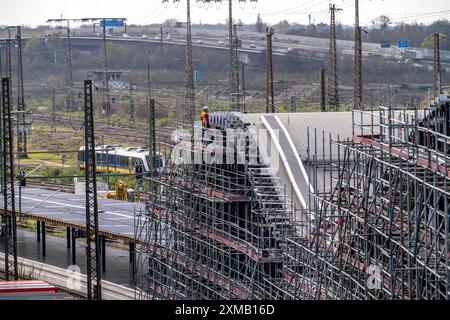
(322, 91)
(69, 79)
(333, 83)
(1, 58)
(104, 22)
(1, 123)
(161, 38)
(8, 63)
(243, 87)
(232, 80)
(190, 88)
(151, 131)
(94, 289)
(152, 144)
(231, 51)
(293, 104)
(236, 92)
(270, 100)
(54, 108)
(357, 85)
(232, 61)
(9, 212)
(105, 60)
(70, 102)
(21, 134)
(437, 66)
(131, 103)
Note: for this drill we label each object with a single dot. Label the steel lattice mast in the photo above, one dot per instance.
(9, 213)
(190, 89)
(358, 90)
(21, 134)
(94, 290)
(104, 21)
(270, 100)
(333, 83)
(233, 61)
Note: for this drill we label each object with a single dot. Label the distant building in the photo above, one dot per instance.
(115, 79)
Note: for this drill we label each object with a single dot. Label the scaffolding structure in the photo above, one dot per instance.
(378, 223)
(212, 230)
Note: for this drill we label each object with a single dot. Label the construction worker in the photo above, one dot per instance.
(205, 118)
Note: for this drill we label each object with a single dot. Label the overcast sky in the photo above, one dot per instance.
(34, 12)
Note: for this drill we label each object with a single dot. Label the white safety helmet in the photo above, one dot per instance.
(205, 108)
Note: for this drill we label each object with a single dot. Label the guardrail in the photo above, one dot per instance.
(63, 279)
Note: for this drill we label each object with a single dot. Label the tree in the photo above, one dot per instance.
(259, 24)
(170, 22)
(282, 26)
(382, 22)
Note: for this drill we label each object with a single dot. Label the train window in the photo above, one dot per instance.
(112, 159)
(81, 156)
(123, 161)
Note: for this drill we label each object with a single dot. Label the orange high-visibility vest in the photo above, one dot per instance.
(205, 118)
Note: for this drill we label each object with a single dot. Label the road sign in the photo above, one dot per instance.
(138, 168)
(138, 162)
(112, 23)
(403, 43)
(79, 234)
(22, 173)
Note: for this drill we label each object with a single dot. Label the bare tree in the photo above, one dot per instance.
(382, 22)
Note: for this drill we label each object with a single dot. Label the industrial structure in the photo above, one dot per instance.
(213, 231)
(358, 217)
(375, 227)
(333, 82)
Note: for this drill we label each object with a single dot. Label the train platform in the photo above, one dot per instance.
(118, 268)
(116, 218)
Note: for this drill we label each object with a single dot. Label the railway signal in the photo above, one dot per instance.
(22, 179)
(138, 169)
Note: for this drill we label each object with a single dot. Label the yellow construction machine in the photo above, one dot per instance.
(120, 191)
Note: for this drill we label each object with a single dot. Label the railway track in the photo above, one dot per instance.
(139, 134)
(63, 187)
